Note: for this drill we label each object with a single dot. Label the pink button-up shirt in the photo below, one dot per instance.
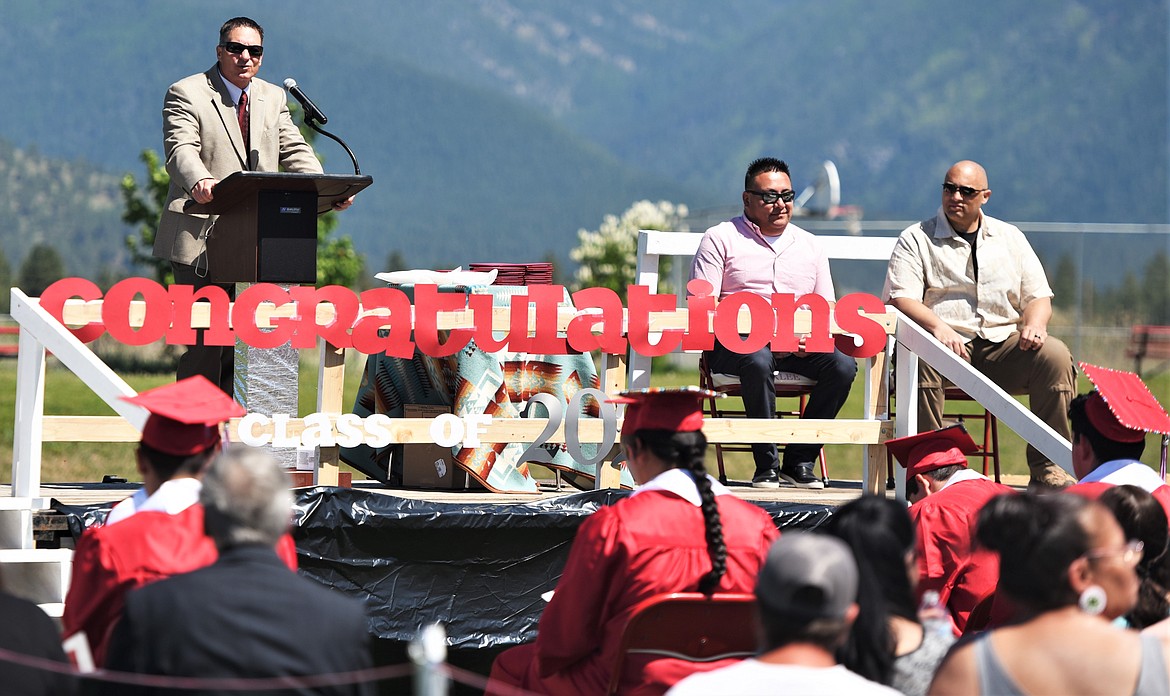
(734, 257)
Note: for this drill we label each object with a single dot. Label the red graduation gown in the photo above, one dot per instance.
(649, 544)
(112, 560)
(945, 525)
(1131, 472)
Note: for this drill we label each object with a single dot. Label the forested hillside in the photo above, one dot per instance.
(72, 205)
(495, 129)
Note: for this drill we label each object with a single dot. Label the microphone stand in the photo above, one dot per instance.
(312, 123)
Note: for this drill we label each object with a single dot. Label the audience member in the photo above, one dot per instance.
(180, 437)
(1107, 448)
(947, 497)
(807, 599)
(27, 631)
(680, 531)
(887, 643)
(1066, 564)
(165, 535)
(1142, 518)
(245, 615)
(975, 284)
(762, 252)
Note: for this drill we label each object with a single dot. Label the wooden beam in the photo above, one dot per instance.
(418, 430)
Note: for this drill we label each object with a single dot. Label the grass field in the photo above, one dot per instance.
(65, 394)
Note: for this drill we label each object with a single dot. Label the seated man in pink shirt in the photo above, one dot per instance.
(762, 252)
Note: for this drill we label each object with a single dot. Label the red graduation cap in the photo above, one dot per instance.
(185, 416)
(1122, 408)
(657, 408)
(932, 450)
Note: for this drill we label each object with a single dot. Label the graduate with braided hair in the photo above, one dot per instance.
(679, 531)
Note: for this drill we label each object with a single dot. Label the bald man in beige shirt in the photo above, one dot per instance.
(976, 284)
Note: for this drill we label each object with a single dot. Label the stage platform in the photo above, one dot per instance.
(838, 493)
(476, 561)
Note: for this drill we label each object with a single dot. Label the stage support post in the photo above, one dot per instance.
(428, 652)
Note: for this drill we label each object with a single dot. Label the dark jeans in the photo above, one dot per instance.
(216, 363)
(834, 373)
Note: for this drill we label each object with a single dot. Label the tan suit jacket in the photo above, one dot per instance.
(201, 139)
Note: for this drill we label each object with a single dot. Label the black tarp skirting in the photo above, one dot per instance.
(478, 568)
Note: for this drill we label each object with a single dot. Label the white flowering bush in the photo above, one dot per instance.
(608, 257)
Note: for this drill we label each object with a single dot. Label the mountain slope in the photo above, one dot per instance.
(495, 128)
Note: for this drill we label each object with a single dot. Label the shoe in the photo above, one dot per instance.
(801, 475)
(768, 479)
(1049, 478)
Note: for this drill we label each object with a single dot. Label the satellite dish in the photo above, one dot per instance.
(824, 195)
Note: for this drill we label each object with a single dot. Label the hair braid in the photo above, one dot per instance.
(685, 450)
(713, 525)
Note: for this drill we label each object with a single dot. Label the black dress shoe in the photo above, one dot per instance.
(767, 479)
(801, 475)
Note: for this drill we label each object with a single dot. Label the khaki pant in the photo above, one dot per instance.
(1047, 376)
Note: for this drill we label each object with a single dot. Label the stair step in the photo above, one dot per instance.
(38, 575)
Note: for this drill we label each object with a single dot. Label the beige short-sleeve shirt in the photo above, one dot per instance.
(932, 264)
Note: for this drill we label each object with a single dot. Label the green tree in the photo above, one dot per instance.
(5, 282)
(338, 263)
(1124, 305)
(395, 261)
(41, 268)
(142, 207)
(609, 256)
(1064, 283)
(559, 275)
(1156, 288)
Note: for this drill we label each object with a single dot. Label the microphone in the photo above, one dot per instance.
(312, 113)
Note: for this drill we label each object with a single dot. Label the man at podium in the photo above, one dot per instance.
(216, 123)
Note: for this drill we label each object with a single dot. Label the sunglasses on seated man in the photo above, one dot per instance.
(965, 191)
(236, 49)
(771, 197)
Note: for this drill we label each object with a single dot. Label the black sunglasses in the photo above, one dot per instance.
(965, 191)
(771, 197)
(237, 48)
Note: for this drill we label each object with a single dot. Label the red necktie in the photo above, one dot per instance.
(242, 114)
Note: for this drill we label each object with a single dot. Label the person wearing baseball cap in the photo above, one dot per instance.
(162, 533)
(807, 600)
(947, 497)
(1109, 427)
(680, 531)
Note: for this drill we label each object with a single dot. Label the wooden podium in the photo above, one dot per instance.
(266, 231)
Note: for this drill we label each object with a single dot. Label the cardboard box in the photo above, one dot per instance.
(304, 479)
(429, 465)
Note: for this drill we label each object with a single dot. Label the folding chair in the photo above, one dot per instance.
(788, 385)
(689, 626)
(988, 446)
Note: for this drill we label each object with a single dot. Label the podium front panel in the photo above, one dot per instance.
(287, 237)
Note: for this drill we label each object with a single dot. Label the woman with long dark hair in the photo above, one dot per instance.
(1141, 517)
(680, 531)
(887, 643)
(1068, 567)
